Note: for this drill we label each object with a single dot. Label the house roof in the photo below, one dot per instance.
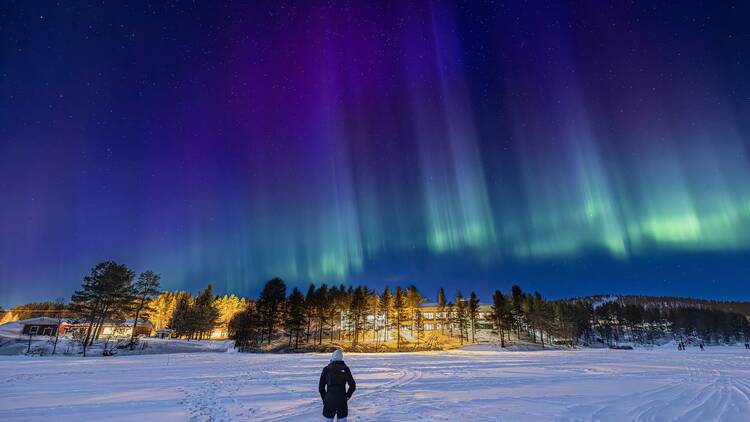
(40, 321)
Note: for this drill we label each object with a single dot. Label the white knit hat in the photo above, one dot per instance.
(337, 356)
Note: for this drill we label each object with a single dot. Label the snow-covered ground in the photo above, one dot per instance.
(606, 385)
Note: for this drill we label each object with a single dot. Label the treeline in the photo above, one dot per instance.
(195, 317)
(387, 319)
(360, 314)
(614, 321)
(33, 310)
(672, 302)
(332, 314)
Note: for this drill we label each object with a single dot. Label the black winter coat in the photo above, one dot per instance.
(332, 387)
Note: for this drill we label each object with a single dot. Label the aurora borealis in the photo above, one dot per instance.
(573, 148)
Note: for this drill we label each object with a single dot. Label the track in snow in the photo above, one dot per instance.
(581, 385)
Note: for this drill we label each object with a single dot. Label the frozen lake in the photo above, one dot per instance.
(606, 385)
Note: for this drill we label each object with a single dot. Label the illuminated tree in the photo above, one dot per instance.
(385, 309)
(399, 313)
(228, 306)
(413, 300)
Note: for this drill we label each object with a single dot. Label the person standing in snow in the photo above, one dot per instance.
(701, 345)
(333, 387)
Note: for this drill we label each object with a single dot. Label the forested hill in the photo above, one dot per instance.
(666, 302)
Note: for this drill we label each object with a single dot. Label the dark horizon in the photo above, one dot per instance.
(571, 149)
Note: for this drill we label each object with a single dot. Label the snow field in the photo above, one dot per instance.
(579, 385)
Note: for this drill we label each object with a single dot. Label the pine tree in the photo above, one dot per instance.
(373, 307)
(418, 325)
(295, 316)
(461, 317)
(473, 314)
(357, 311)
(163, 307)
(517, 308)
(244, 328)
(106, 291)
(450, 317)
(228, 306)
(270, 305)
(441, 310)
(181, 323)
(203, 314)
(413, 301)
(310, 310)
(499, 314)
(385, 309)
(333, 311)
(145, 289)
(399, 311)
(322, 304)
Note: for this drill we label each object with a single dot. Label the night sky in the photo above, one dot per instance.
(574, 148)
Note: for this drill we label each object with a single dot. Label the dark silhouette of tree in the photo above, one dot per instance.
(441, 310)
(517, 308)
(460, 316)
(333, 310)
(322, 303)
(270, 305)
(181, 323)
(244, 328)
(358, 306)
(145, 289)
(203, 313)
(310, 310)
(295, 316)
(473, 314)
(500, 314)
(106, 291)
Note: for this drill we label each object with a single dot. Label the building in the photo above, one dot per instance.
(112, 329)
(433, 318)
(164, 333)
(41, 326)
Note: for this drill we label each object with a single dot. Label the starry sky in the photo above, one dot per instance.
(570, 147)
